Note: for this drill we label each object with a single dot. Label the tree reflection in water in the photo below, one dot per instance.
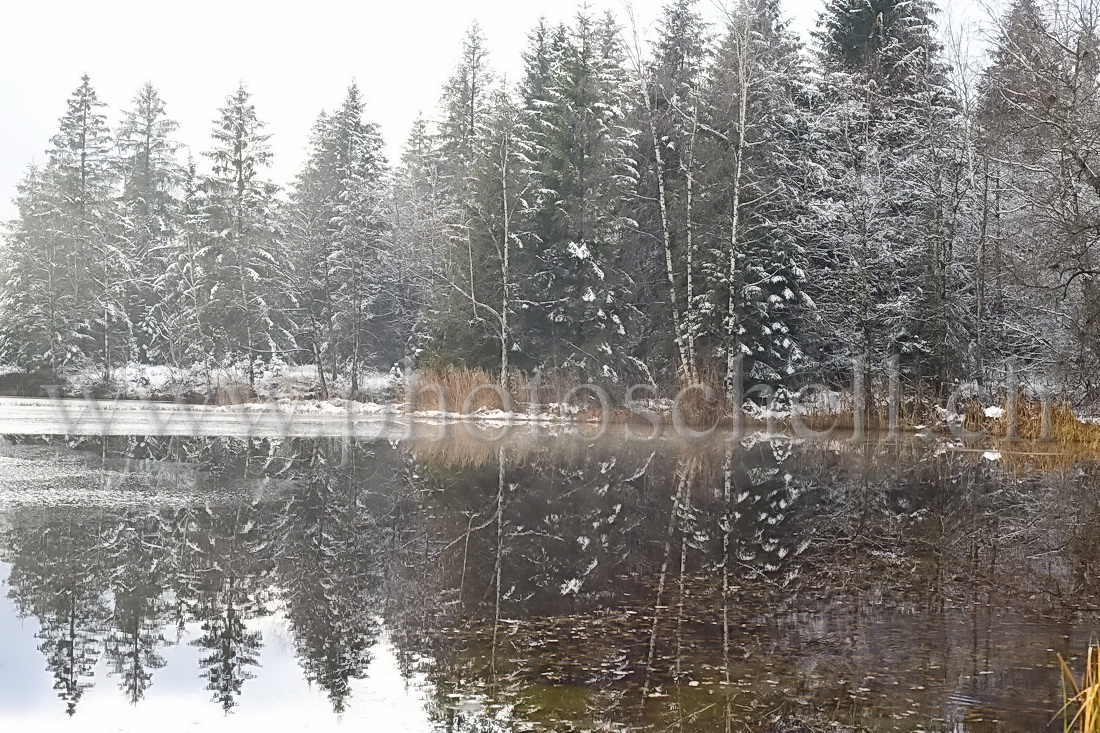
(558, 584)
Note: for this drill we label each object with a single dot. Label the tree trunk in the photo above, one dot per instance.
(505, 268)
(686, 370)
(733, 339)
(689, 249)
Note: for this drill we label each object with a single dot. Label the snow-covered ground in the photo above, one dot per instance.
(288, 418)
(274, 381)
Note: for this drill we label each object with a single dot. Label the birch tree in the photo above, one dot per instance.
(754, 131)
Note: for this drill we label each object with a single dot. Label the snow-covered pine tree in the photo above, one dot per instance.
(464, 106)
(577, 310)
(423, 216)
(151, 178)
(753, 139)
(473, 320)
(84, 170)
(38, 312)
(362, 211)
(945, 326)
(182, 313)
(336, 224)
(309, 224)
(886, 275)
(463, 320)
(244, 256)
(62, 272)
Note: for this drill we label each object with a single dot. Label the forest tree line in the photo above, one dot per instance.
(720, 201)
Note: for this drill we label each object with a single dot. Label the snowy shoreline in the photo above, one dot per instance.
(339, 418)
(290, 418)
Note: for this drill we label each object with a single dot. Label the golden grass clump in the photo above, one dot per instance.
(1082, 694)
(1065, 427)
(1061, 424)
(458, 389)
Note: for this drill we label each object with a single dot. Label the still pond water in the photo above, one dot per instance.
(538, 584)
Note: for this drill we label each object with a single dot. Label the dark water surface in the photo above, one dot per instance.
(540, 583)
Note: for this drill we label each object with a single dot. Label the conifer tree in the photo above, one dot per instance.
(583, 172)
(754, 133)
(151, 177)
(181, 316)
(38, 311)
(244, 257)
(63, 272)
(464, 317)
(888, 277)
(339, 222)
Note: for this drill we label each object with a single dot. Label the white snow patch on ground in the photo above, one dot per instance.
(283, 418)
(272, 381)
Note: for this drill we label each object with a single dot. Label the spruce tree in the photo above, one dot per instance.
(63, 270)
(151, 177)
(39, 313)
(244, 257)
(583, 172)
(339, 224)
(888, 274)
(182, 316)
(463, 319)
(754, 131)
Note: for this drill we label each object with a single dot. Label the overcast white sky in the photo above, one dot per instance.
(296, 61)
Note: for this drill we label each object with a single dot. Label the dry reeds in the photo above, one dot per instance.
(703, 402)
(233, 394)
(1083, 693)
(1060, 424)
(466, 391)
(459, 389)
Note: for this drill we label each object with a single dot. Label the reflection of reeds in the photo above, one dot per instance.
(458, 451)
(1084, 694)
(468, 444)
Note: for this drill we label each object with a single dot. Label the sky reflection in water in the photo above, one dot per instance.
(536, 584)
